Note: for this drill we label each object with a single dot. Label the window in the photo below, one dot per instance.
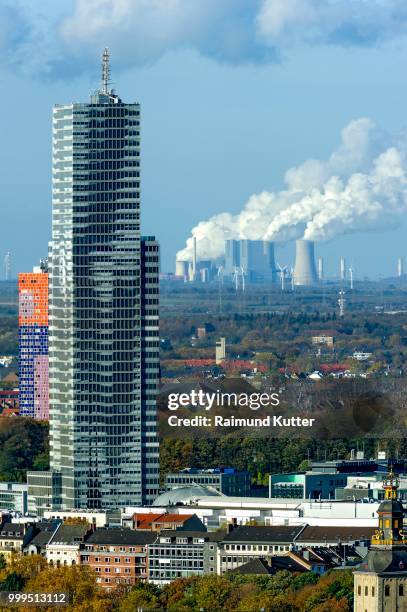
(359, 590)
(401, 590)
(386, 590)
(366, 590)
(373, 591)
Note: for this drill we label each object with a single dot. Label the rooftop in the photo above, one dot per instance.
(121, 536)
(70, 534)
(335, 534)
(255, 533)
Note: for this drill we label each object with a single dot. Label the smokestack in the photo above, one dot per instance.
(305, 272)
(194, 258)
(342, 271)
(181, 268)
(320, 269)
(400, 267)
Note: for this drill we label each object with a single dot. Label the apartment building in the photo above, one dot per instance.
(180, 554)
(65, 545)
(118, 556)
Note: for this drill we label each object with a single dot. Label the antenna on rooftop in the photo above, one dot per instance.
(105, 71)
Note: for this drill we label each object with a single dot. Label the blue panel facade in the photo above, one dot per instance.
(33, 342)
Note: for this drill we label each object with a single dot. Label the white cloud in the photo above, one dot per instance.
(68, 38)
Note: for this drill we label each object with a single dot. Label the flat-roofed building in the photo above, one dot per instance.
(226, 480)
(181, 554)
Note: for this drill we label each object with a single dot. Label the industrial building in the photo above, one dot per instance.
(225, 480)
(252, 258)
(33, 343)
(328, 480)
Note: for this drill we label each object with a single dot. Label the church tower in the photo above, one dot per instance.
(381, 578)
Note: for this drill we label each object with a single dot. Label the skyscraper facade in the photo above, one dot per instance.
(103, 309)
(33, 343)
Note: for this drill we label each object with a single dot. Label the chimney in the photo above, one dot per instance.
(305, 273)
(320, 269)
(194, 258)
(342, 269)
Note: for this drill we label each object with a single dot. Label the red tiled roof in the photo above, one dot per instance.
(173, 518)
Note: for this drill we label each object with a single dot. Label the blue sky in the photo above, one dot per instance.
(233, 94)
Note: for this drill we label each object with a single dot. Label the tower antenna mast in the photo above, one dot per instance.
(105, 71)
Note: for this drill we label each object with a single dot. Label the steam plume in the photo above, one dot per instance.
(361, 187)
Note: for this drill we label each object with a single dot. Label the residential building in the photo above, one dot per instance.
(118, 556)
(226, 480)
(380, 581)
(33, 343)
(14, 537)
(243, 544)
(42, 535)
(180, 554)
(65, 544)
(103, 309)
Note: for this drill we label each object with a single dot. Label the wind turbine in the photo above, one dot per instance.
(243, 283)
(283, 270)
(351, 271)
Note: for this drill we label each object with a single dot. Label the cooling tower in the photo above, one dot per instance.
(181, 268)
(305, 272)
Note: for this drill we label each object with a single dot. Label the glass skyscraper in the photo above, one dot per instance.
(103, 311)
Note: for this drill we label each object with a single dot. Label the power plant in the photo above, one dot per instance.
(254, 257)
(253, 261)
(181, 269)
(305, 273)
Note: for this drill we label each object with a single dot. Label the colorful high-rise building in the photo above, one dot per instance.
(33, 342)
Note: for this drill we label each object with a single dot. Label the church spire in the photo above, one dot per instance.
(391, 513)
